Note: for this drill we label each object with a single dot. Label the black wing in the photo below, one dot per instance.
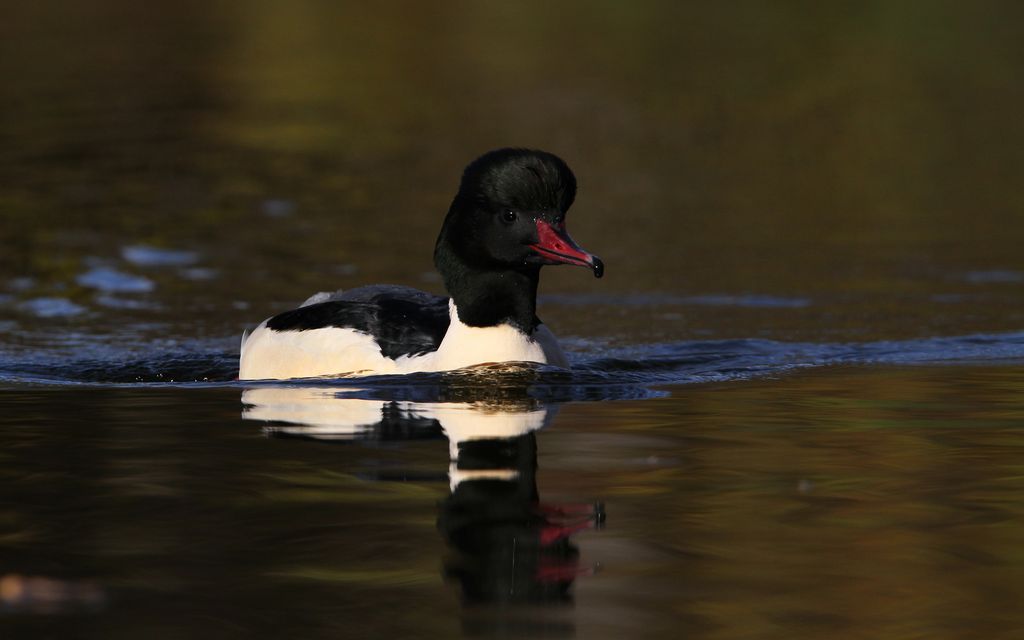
(403, 320)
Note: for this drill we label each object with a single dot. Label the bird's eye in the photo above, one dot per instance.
(560, 219)
(508, 216)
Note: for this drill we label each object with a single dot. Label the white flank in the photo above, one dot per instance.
(268, 354)
(278, 355)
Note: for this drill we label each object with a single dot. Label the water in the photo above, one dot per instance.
(795, 407)
(882, 499)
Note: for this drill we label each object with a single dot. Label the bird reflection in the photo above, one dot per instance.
(509, 547)
(506, 545)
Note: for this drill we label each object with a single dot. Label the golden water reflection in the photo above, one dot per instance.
(846, 502)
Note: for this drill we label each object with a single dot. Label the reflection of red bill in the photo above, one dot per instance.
(555, 245)
(553, 533)
(561, 570)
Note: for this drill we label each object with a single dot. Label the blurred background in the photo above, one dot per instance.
(799, 170)
(836, 186)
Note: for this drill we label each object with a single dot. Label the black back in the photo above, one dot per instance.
(403, 320)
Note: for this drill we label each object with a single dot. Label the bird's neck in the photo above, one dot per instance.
(490, 298)
(485, 294)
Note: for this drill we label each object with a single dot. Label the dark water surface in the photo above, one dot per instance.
(847, 501)
(797, 402)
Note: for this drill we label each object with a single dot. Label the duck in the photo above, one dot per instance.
(506, 221)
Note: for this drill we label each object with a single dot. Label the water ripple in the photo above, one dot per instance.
(600, 373)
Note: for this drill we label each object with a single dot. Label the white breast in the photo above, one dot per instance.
(465, 346)
(268, 354)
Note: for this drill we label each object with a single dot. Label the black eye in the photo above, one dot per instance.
(560, 219)
(508, 216)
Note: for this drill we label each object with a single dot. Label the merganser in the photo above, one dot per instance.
(507, 220)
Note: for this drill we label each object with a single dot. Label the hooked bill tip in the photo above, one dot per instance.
(598, 267)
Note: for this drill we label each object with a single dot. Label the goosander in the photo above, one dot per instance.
(507, 220)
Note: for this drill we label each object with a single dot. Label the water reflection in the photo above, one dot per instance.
(46, 595)
(506, 546)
